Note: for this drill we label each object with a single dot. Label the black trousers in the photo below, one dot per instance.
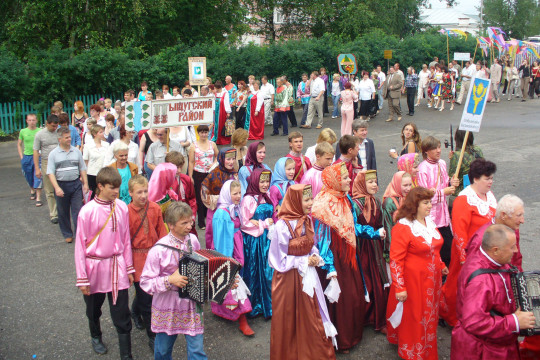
(304, 113)
(142, 305)
(292, 117)
(364, 108)
(92, 185)
(325, 103)
(120, 314)
(355, 109)
(446, 249)
(411, 94)
(240, 118)
(198, 178)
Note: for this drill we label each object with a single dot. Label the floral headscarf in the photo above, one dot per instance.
(332, 207)
(407, 162)
(217, 177)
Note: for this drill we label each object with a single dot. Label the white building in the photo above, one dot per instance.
(450, 18)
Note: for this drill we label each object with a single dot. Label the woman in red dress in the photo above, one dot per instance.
(255, 114)
(221, 113)
(474, 207)
(417, 269)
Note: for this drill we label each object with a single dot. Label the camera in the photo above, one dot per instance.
(446, 144)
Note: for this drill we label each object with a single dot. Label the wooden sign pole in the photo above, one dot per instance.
(476, 47)
(461, 154)
(168, 131)
(447, 49)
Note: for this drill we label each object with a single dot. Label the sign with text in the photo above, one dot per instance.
(142, 115)
(473, 111)
(388, 54)
(197, 70)
(347, 64)
(462, 56)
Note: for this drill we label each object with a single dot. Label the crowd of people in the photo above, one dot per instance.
(322, 255)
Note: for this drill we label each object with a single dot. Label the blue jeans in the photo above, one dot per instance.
(280, 117)
(147, 171)
(335, 100)
(304, 113)
(381, 99)
(70, 202)
(27, 165)
(164, 343)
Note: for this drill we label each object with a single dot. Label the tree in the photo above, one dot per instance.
(518, 18)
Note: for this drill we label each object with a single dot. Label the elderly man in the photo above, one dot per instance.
(157, 151)
(466, 75)
(316, 102)
(392, 92)
(488, 322)
(510, 212)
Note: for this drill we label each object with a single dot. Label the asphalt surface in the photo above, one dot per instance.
(43, 314)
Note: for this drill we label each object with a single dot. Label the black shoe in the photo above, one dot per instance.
(137, 321)
(284, 134)
(297, 125)
(274, 134)
(98, 346)
(54, 220)
(124, 341)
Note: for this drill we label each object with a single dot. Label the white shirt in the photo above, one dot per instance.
(167, 96)
(481, 74)
(362, 153)
(335, 88)
(423, 77)
(95, 156)
(260, 99)
(382, 78)
(469, 71)
(366, 88)
(177, 96)
(267, 90)
(317, 86)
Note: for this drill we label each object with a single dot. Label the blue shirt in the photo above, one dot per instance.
(75, 137)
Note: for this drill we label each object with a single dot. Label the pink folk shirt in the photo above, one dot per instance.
(170, 313)
(105, 263)
(434, 175)
(313, 177)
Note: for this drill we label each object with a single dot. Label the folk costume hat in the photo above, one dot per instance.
(291, 209)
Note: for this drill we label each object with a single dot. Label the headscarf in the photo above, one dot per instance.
(163, 182)
(225, 200)
(332, 207)
(407, 162)
(251, 156)
(253, 185)
(291, 209)
(393, 190)
(279, 177)
(217, 177)
(359, 190)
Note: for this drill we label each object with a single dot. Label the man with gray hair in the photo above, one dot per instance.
(366, 151)
(65, 167)
(510, 212)
(488, 323)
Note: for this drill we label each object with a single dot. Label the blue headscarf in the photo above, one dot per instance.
(279, 177)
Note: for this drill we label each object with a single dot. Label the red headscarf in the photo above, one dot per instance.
(291, 209)
(332, 207)
(251, 156)
(359, 190)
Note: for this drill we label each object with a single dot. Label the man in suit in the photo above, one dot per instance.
(366, 153)
(392, 92)
(496, 73)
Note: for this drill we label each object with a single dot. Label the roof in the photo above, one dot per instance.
(446, 16)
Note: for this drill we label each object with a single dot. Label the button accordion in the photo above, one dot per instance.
(526, 286)
(210, 275)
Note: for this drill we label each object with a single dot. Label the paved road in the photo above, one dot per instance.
(42, 313)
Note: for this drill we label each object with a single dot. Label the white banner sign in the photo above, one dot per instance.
(473, 110)
(462, 56)
(142, 115)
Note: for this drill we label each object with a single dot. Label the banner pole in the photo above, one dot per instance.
(461, 155)
(167, 143)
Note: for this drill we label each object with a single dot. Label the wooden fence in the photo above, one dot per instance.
(13, 115)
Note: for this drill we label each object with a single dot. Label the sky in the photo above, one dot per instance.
(465, 6)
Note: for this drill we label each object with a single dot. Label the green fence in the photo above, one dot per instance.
(13, 115)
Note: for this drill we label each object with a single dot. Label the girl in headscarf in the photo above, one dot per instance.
(282, 178)
(228, 241)
(393, 197)
(212, 184)
(367, 211)
(256, 217)
(301, 326)
(334, 228)
(409, 163)
(254, 160)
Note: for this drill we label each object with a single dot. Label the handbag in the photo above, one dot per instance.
(228, 128)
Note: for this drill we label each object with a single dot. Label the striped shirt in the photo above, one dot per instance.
(65, 165)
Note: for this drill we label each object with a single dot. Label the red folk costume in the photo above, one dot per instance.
(301, 165)
(415, 264)
(469, 213)
(479, 335)
(223, 108)
(146, 227)
(255, 123)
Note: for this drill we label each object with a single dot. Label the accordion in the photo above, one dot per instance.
(526, 286)
(210, 275)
